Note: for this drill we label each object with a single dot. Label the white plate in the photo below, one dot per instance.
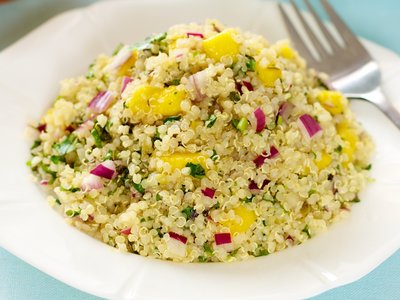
(29, 228)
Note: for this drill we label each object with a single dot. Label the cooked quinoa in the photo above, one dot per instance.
(201, 144)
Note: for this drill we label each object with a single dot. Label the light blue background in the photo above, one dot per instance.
(376, 20)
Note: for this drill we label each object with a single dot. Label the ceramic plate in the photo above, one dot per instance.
(63, 47)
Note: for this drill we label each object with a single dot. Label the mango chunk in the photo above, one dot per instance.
(332, 101)
(179, 160)
(287, 52)
(221, 45)
(324, 161)
(350, 137)
(157, 101)
(124, 68)
(168, 103)
(141, 96)
(246, 218)
(269, 75)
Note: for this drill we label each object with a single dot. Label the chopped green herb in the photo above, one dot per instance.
(262, 252)
(116, 50)
(56, 159)
(171, 119)
(36, 144)
(90, 72)
(109, 155)
(268, 198)
(234, 252)
(235, 122)
(196, 170)
(242, 125)
(271, 125)
(156, 136)
(142, 220)
(72, 190)
(248, 199)
(97, 139)
(355, 200)
(280, 120)
(214, 156)
(158, 197)
(101, 135)
(307, 231)
(310, 192)
(67, 145)
(250, 64)
(216, 205)
(368, 167)
(189, 212)
(174, 82)
(73, 213)
(58, 201)
(211, 121)
(202, 259)
(138, 187)
(234, 96)
(46, 169)
(339, 149)
(29, 163)
(146, 44)
(207, 249)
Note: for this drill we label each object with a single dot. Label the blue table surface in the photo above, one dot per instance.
(378, 21)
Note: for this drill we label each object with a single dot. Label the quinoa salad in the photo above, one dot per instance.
(200, 144)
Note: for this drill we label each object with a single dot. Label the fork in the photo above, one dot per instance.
(350, 67)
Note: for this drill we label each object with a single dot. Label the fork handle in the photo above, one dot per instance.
(378, 98)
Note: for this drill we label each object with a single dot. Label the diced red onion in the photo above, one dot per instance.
(273, 152)
(41, 127)
(122, 56)
(44, 182)
(125, 81)
(253, 185)
(195, 34)
(260, 119)
(176, 247)
(91, 182)
(198, 82)
(87, 125)
(178, 237)
(90, 217)
(222, 238)
(208, 192)
(106, 169)
(240, 85)
(126, 231)
(101, 102)
(248, 85)
(259, 160)
(309, 126)
(285, 110)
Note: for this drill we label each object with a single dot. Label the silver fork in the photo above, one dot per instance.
(350, 68)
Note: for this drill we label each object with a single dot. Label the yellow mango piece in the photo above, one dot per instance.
(124, 68)
(350, 137)
(246, 218)
(179, 160)
(220, 45)
(194, 124)
(287, 52)
(332, 101)
(269, 75)
(168, 103)
(324, 161)
(141, 96)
